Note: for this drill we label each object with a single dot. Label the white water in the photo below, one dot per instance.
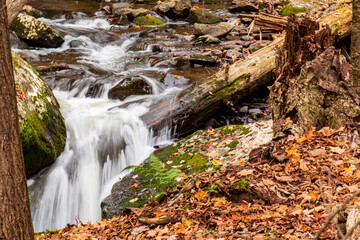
(102, 139)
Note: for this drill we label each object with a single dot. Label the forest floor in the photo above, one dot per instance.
(292, 188)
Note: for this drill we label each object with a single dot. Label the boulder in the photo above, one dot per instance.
(208, 39)
(203, 60)
(35, 33)
(42, 126)
(201, 16)
(118, 8)
(220, 30)
(175, 9)
(172, 80)
(129, 86)
(148, 21)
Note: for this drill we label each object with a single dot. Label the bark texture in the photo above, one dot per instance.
(13, 8)
(314, 85)
(15, 217)
(355, 45)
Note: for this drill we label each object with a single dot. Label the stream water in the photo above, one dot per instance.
(103, 135)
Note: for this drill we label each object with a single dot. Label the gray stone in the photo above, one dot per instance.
(220, 30)
(129, 86)
(175, 9)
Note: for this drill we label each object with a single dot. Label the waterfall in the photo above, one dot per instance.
(102, 138)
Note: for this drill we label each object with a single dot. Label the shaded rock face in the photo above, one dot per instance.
(42, 126)
(175, 9)
(128, 87)
(208, 39)
(220, 30)
(35, 33)
(244, 7)
(201, 16)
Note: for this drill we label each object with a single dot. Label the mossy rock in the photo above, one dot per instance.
(35, 33)
(148, 21)
(42, 126)
(201, 16)
(290, 9)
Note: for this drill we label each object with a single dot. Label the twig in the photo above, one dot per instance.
(342, 207)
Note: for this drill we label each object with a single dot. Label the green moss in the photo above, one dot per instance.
(228, 130)
(244, 183)
(290, 9)
(200, 16)
(148, 21)
(232, 144)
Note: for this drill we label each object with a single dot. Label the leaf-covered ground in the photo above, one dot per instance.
(287, 189)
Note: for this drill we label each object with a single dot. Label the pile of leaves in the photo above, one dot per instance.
(288, 189)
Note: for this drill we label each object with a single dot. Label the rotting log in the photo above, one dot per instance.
(313, 85)
(13, 8)
(353, 223)
(195, 105)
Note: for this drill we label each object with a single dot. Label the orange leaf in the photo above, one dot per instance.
(200, 195)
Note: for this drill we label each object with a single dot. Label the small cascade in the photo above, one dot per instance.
(102, 136)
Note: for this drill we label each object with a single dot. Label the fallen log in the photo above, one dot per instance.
(13, 8)
(196, 105)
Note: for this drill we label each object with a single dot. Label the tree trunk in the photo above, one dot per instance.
(13, 8)
(355, 45)
(15, 217)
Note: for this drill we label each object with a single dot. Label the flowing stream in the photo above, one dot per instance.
(103, 135)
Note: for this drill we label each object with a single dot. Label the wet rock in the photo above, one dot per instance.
(190, 38)
(180, 61)
(203, 60)
(208, 39)
(201, 16)
(42, 126)
(255, 46)
(117, 9)
(28, 55)
(255, 112)
(244, 7)
(174, 9)
(244, 109)
(172, 80)
(240, 28)
(35, 33)
(74, 15)
(16, 42)
(148, 21)
(129, 86)
(155, 48)
(120, 20)
(133, 13)
(94, 90)
(220, 30)
(77, 43)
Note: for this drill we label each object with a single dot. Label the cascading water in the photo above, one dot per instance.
(102, 139)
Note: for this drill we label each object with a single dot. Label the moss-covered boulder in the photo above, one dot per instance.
(42, 126)
(148, 21)
(35, 33)
(202, 151)
(174, 9)
(290, 9)
(201, 16)
(130, 86)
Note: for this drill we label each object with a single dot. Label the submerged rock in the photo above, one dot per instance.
(220, 30)
(201, 16)
(42, 126)
(175, 9)
(207, 39)
(35, 33)
(129, 86)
